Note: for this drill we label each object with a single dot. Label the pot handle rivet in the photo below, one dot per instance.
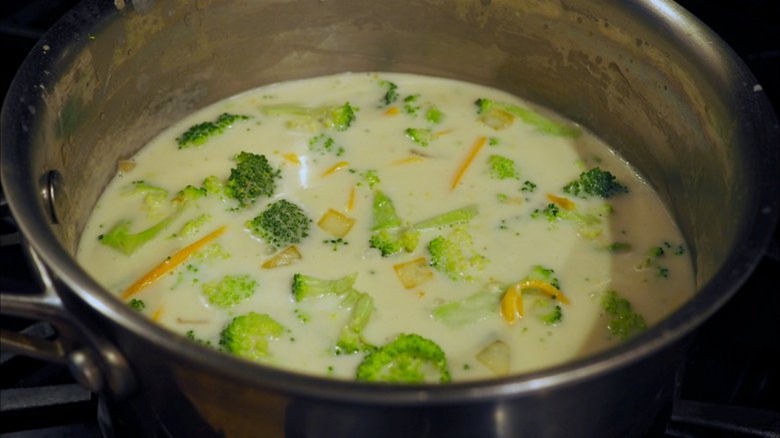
(52, 183)
(85, 370)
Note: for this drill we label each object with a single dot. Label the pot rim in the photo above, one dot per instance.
(742, 260)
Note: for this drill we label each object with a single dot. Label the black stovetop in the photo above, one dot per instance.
(729, 386)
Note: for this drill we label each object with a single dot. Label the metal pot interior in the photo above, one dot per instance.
(643, 75)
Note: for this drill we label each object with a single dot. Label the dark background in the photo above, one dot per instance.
(733, 363)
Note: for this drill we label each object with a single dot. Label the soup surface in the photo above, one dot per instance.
(387, 227)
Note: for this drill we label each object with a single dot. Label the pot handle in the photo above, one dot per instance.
(93, 361)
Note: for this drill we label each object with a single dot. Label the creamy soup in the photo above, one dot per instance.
(374, 226)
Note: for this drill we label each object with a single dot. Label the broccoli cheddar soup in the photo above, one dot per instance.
(387, 227)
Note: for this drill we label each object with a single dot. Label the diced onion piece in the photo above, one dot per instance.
(497, 119)
(284, 257)
(126, 165)
(335, 223)
(564, 203)
(496, 357)
(413, 273)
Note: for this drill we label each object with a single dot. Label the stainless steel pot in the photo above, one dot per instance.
(643, 74)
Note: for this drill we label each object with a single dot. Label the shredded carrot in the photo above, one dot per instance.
(392, 111)
(409, 160)
(157, 314)
(351, 200)
(564, 203)
(440, 133)
(478, 145)
(171, 263)
(512, 301)
(292, 157)
(335, 168)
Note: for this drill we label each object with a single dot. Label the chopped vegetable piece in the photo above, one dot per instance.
(512, 302)
(624, 321)
(171, 262)
(335, 223)
(335, 168)
(413, 273)
(247, 335)
(230, 290)
(200, 133)
(282, 223)
(284, 257)
(564, 203)
(496, 357)
(595, 182)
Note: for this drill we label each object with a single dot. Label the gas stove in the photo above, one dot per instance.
(729, 385)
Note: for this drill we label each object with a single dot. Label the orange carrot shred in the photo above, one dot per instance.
(292, 158)
(157, 314)
(351, 200)
(336, 167)
(171, 263)
(512, 301)
(392, 111)
(564, 203)
(478, 145)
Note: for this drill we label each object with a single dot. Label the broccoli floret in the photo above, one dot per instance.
(411, 106)
(420, 136)
(502, 167)
(548, 311)
(213, 186)
(499, 115)
(552, 213)
(409, 358)
(595, 182)
(454, 256)
(337, 117)
(458, 216)
(624, 322)
(547, 275)
(154, 198)
(247, 336)
(351, 337)
(192, 337)
(200, 133)
(434, 115)
(325, 144)
(370, 178)
(282, 223)
(193, 226)
(305, 286)
(120, 238)
(230, 290)
(391, 92)
(475, 307)
(528, 187)
(252, 178)
(137, 305)
(389, 235)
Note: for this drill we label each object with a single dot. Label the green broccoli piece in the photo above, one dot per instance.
(323, 144)
(120, 238)
(190, 335)
(230, 290)
(247, 336)
(154, 197)
(541, 273)
(252, 178)
(624, 322)
(420, 136)
(502, 167)
(198, 134)
(458, 216)
(282, 223)
(454, 256)
(337, 117)
(547, 310)
(351, 337)
(552, 213)
(137, 305)
(528, 187)
(389, 235)
(305, 286)
(213, 186)
(193, 226)
(411, 106)
(391, 92)
(595, 182)
(409, 358)
(434, 115)
(370, 178)
(477, 306)
(499, 115)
